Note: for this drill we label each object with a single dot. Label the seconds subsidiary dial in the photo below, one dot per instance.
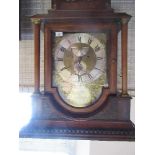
(80, 67)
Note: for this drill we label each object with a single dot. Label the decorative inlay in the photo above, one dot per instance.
(65, 131)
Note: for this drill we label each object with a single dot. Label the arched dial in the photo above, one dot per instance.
(80, 67)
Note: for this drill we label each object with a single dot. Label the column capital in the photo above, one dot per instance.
(35, 20)
(125, 20)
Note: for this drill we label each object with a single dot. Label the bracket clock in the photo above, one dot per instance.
(80, 98)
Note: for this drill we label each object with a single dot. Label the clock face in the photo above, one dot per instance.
(80, 67)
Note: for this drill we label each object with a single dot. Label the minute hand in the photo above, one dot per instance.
(80, 59)
(65, 68)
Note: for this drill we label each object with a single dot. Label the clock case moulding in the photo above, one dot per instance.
(109, 119)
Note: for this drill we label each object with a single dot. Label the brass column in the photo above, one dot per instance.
(36, 27)
(124, 41)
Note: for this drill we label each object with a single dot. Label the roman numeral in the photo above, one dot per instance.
(99, 58)
(97, 48)
(59, 59)
(79, 39)
(62, 49)
(69, 42)
(64, 68)
(99, 69)
(79, 78)
(89, 41)
(90, 76)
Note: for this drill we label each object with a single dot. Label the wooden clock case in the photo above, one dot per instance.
(109, 117)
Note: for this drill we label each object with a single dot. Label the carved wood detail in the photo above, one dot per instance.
(80, 133)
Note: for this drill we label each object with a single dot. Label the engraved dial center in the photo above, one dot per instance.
(80, 57)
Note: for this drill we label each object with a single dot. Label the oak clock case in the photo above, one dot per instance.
(80, 98)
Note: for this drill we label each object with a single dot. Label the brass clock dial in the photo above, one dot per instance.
(80, 67)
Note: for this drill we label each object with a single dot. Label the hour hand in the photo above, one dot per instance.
(79, 52)
(79, 59)
(84, 50)
(75, 50)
